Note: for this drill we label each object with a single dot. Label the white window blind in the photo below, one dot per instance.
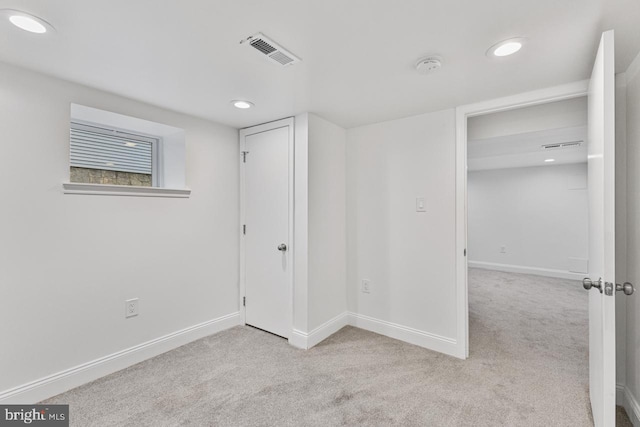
(95, 147)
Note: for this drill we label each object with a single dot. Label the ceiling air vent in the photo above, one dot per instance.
(569, 144)
(272, 50)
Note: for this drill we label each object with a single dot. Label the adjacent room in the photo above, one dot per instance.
(528, 240)
(527, 190)
(319, 213)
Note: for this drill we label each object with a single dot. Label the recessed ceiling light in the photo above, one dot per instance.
(550, 160)
(505, 47)
(27, 22)
(243, 105)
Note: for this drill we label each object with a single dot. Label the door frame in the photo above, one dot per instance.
(252, 130)
(527, 99)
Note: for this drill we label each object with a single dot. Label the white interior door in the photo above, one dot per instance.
(601, 166)
(267, 233)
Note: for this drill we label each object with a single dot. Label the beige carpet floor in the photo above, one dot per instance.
(527, 367)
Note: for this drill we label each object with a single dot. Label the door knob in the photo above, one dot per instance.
(626, 287)
(588, 284)
(282, 247)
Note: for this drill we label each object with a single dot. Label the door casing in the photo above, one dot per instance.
(290, 123)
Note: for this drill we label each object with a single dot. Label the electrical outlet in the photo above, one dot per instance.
(131, 307)
(366, 286)
(503, 249)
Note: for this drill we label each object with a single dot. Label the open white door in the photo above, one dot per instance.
(601, 166)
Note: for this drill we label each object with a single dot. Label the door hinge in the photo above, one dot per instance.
(244, 301)
(465, 252)
(244, 228)
(244, 156)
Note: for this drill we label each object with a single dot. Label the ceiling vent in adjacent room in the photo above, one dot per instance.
(272, 50)
(558, 145)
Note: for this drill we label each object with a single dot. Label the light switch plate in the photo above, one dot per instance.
(366, 286)
(420, 205)
(131, 307)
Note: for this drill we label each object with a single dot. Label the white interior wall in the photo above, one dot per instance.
(552, 115)
(327, 221)
(539, 215)
(301, 229)
(408, 256)
(320, 230)
(632, 382)
(68, 262)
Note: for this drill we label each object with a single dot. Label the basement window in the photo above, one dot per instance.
(117, 155)
(106, 155)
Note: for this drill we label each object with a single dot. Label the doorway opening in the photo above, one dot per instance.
(527, 241)
(463, 115)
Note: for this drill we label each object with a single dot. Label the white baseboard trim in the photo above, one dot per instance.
(298, 339)
(62, 381)
(632, 407)
(547, 272)
(404, 333)
(626, 399)
(305, 340)
(427, 340)
(620, 394)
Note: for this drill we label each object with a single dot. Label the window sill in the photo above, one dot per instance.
(123, 190)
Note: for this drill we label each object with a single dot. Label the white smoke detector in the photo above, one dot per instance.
(429, 64)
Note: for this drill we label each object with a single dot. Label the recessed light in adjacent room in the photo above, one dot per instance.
(505, 47)
(131, 144)
(27, 22)
(243, 105)
(550, 160)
